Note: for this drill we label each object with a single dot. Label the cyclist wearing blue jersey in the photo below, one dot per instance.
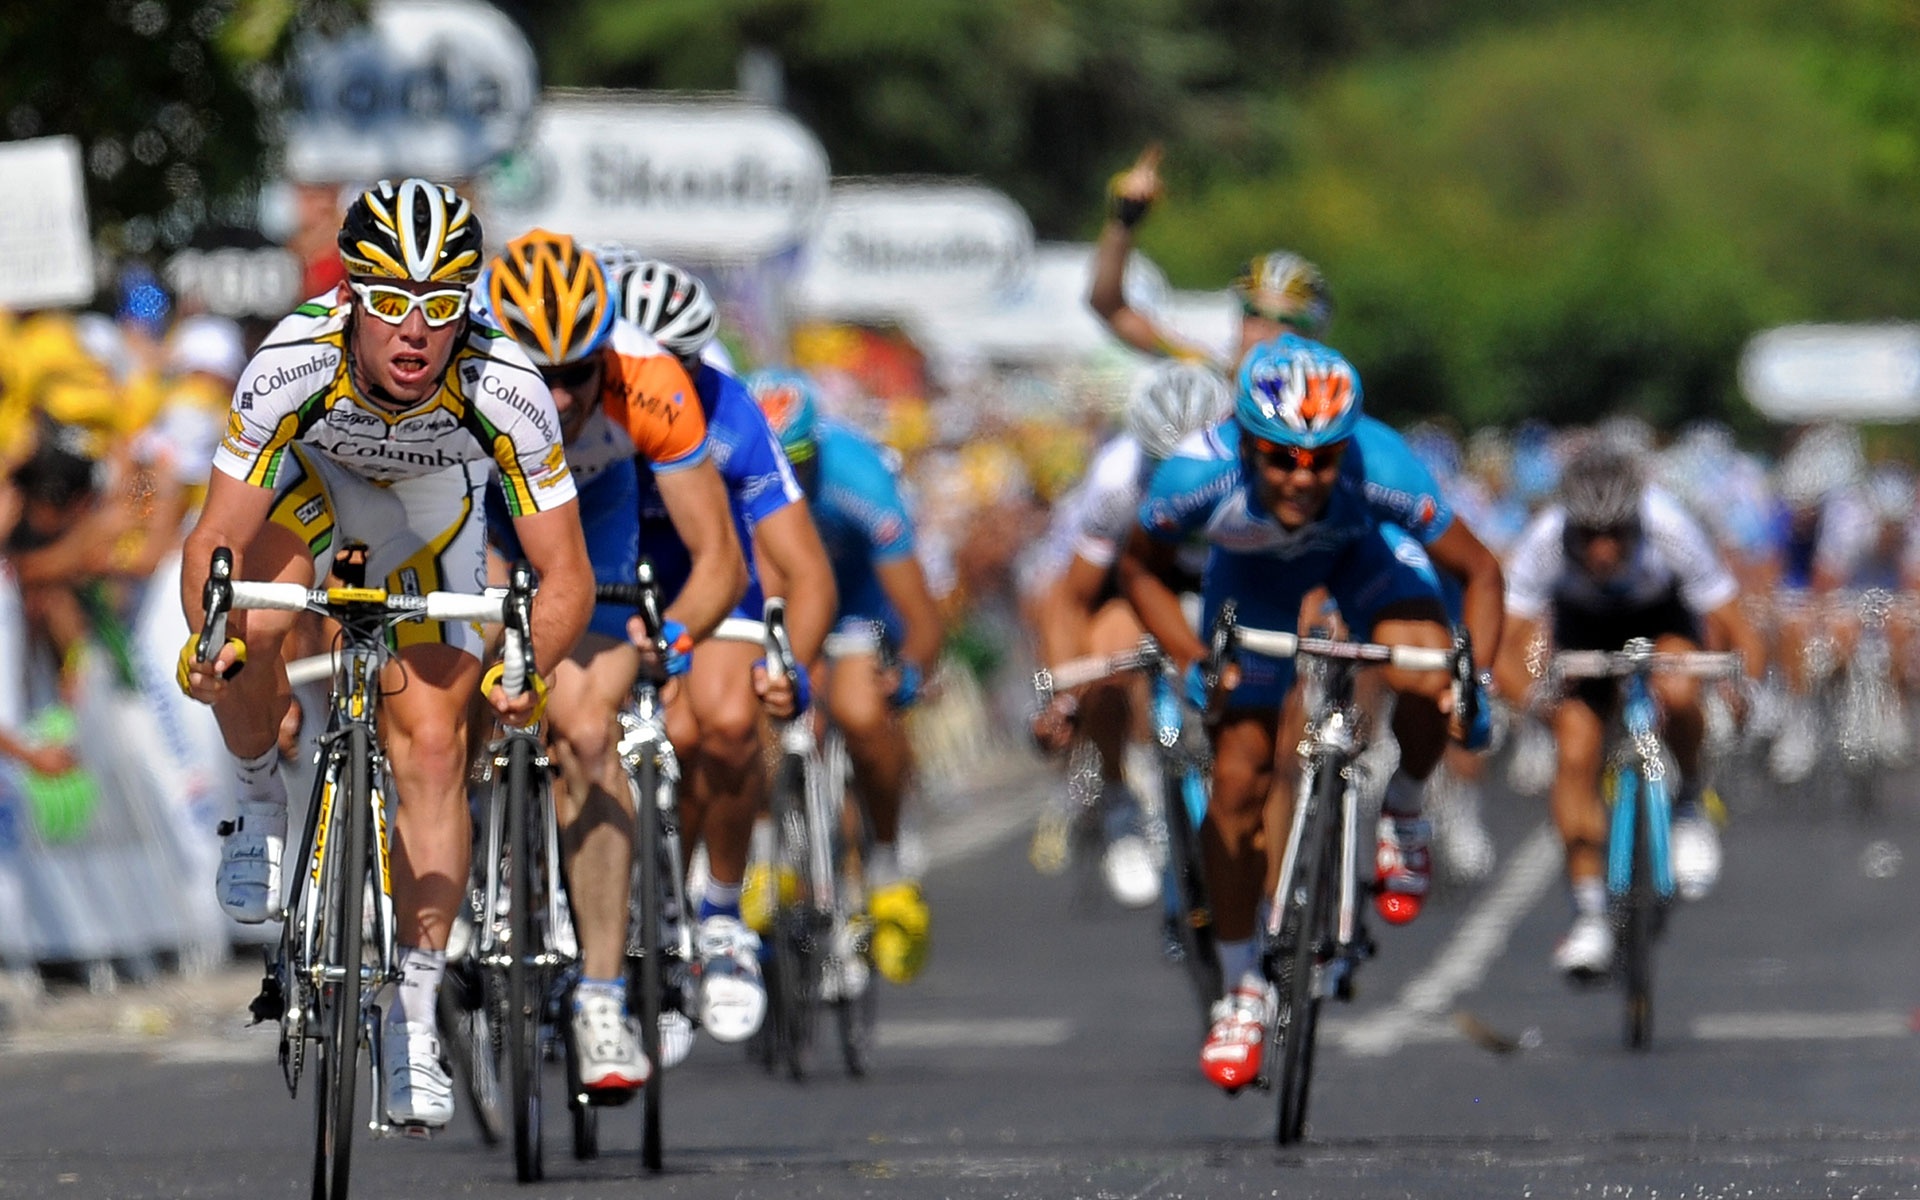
(715, 719)
(620, 398)
(1294, 494)
(883, 598)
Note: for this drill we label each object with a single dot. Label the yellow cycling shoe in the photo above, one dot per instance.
(900, 930)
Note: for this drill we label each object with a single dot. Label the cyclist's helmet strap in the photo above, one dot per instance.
(551, 297)
(669, 303)
(1603, 486)
(413, 230)
(1171, 400)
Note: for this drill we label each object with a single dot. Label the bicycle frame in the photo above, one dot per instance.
(1643, 752)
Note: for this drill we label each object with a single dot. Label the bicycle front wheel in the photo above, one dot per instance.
(1641, 913)
(649, 855)
(346, 825)
(1306, 931)
(796, 921)
(526, 993)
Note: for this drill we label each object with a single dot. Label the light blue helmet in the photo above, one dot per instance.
(1297, 392)
(787, 398)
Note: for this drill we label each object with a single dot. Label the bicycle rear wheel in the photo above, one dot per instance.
(652, 984)
(1309, 917)
(1192, 915)
(796, 921)
(1638, 921)
(526, 995)
(339, 1001)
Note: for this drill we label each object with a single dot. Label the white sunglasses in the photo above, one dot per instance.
(392, 304)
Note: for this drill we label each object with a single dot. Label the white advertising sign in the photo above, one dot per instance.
(887, 249)
(1047, 320)
(711, 181)
(437, 88)
(235, 281)
(1834, 372)
(46, 256)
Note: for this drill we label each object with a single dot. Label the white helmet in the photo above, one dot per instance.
(1170, 401)
(669, 303)
(1826, 459)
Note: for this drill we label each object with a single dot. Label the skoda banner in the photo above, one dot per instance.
(1834, 372)
(438, 88)
(705, 181)
(887, 249)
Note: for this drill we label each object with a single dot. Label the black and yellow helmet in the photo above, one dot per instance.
(415, 230)
(550, 296)
(1286, 288)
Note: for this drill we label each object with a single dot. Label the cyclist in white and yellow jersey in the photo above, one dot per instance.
(375, 413)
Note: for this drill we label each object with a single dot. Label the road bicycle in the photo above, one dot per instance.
(1184, 761)
(1315, 936)
(337, 947)
(1640, 883)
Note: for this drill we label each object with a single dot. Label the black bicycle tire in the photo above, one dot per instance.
(1638, 926)
(1193, 922)
(340, 1047)
(652, 989)
(585, 1117)
(526, 998)
(856, 1016)
(1311, 912)
(795, 927)
(473, 1051)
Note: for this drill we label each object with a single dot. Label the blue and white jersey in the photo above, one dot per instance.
(1201, 490)
(760, 482)
(863, 520)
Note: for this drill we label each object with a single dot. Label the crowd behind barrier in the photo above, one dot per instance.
(112, 783)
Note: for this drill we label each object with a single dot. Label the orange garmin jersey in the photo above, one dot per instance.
(648, 406)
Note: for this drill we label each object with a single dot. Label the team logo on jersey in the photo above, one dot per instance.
(1427, 510)
(1308, 395)
(781, 403)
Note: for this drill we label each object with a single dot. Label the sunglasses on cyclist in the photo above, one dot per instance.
(392, 304)
(1583, 535)
(1297, 458)
(572, 376)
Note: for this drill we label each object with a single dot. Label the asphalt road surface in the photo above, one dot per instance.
(1049, 1052)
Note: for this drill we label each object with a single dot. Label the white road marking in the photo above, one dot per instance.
(1801, 1026)
(973, 1033)
(1462, 963)
(981, 829)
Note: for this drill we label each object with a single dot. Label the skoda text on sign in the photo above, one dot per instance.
(437, 88)
(887, 249)
(1834, 372)
(46, 256)
(710, 181)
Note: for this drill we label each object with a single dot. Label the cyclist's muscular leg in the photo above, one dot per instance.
(1577, 811)
(1425, 697)
(424, 714)
(728, 779)
(1107, 710)
(876, 741)
(592, 802)
(1233, 837)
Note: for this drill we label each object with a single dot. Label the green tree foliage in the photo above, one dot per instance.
(1574, 216)
(167, 98)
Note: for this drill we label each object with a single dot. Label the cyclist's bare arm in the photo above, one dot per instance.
(791, 554)
(906, 585)
(557, 551)
(1728, 626)
(1464, 556)
(696, 501)
(1144, 566)
(1512, 673)
(1066, 610)
(233, 515)
(1107, 295)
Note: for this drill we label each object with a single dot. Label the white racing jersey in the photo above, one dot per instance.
(1094, 520)
(491, 405)
(1673, 553)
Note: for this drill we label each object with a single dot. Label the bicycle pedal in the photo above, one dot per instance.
(270, 1004)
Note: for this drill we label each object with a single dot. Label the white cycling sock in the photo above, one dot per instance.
(1404, 795)
(883, 865)
(259, 777)
(419, 987)
(1589, 897)
(1240, 964)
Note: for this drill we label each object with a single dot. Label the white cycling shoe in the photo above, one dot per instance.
(1586, 953)
(733, 996)
(1696, 856)
(607, 1053)
(419, 1088)
(248, 882)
